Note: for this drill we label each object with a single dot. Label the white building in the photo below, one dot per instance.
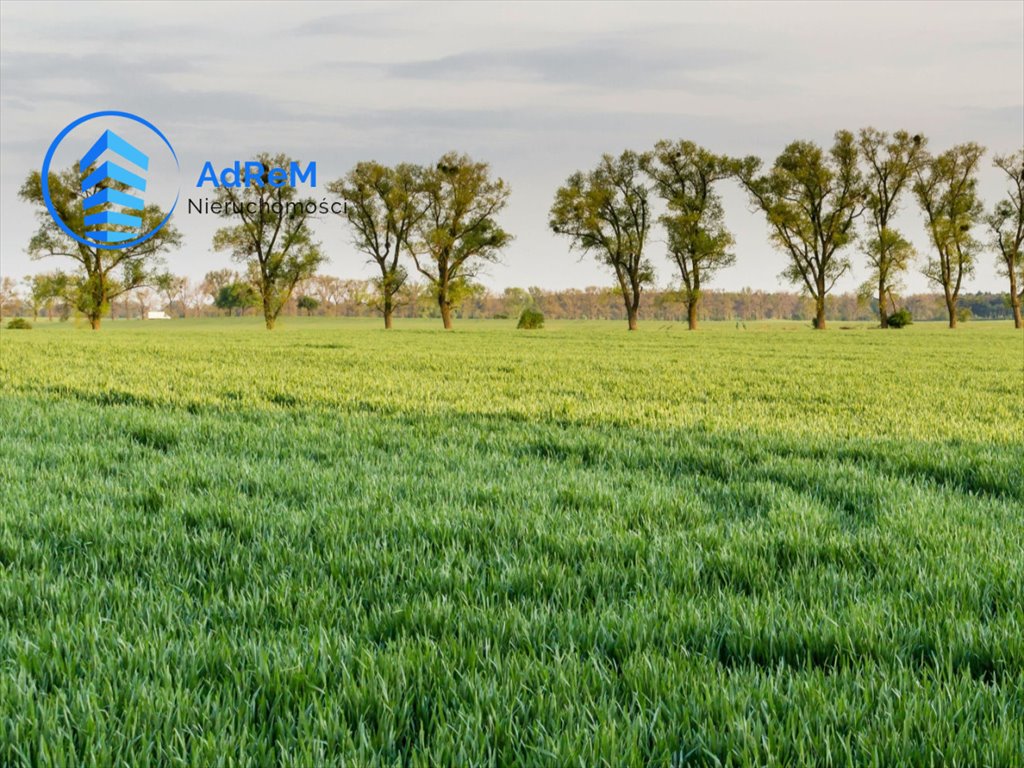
(157, 314)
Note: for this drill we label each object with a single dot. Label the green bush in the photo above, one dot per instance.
(19, 324)
(900, 318)
(531, 319)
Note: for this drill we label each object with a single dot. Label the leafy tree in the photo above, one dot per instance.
(811, 198)
(46, 288)
(215, 280)
(1006, 226)
(273, 239)
(383, 206)
(102, 274)
(236, 296)
(946, 187)
(172, 288)
(458, 233)
(891, 164)
(308, 303)
(606, 212)
(684, 175)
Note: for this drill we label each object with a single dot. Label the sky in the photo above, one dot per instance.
(538, 90)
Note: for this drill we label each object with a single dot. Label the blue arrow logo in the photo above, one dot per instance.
(112, 186)
(99, 206)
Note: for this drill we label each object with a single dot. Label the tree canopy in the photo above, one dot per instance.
(946, 187)
(272, 238)
(606, 213)
(383, 205)
(684, 176)
(459, 233)
(811, 198)
(101, 274)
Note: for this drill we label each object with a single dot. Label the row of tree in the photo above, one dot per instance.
(441, 221)
(812, 199)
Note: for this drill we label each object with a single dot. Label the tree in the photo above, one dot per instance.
(236, 296)
(892, 162)
(1006, 225)
(517, 299)
(47, 287)
(308, 303)
(458, 233)
(811, 199)
(274, 239)
(327, 289)
(684, 175)
(172, 288)
(144, 297)
(606, 212)
(34, 299)
(103, 274)
(354, 293)
(946, 187)
(383, 206)
(191, 299)
(8, 292)
(215, 280)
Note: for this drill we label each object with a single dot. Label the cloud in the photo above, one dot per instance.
(536, 90)
(145, 84)
(22, 70)
(618, 62)
(362, 24)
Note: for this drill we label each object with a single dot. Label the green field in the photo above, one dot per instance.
(332, 545)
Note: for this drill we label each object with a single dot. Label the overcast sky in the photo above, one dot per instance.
(538, 90)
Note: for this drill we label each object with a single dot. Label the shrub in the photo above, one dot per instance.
(19, 324)
(531, 319)
(900, 318)
(308, 303)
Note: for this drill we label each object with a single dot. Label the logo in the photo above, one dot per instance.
(113, 172)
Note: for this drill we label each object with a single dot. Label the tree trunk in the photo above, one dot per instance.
(387, 318)
(819, 317)
(268, 315)
(631, 315)
(691, 311)
(1015, 301)
(951, 308)
(883, 316)
(94, 321)
(446, 311)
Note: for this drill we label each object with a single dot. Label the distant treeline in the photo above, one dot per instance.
(326, 295)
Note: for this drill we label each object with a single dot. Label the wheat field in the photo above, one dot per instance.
(336, 545)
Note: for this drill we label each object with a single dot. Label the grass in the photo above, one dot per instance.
(331, 545)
